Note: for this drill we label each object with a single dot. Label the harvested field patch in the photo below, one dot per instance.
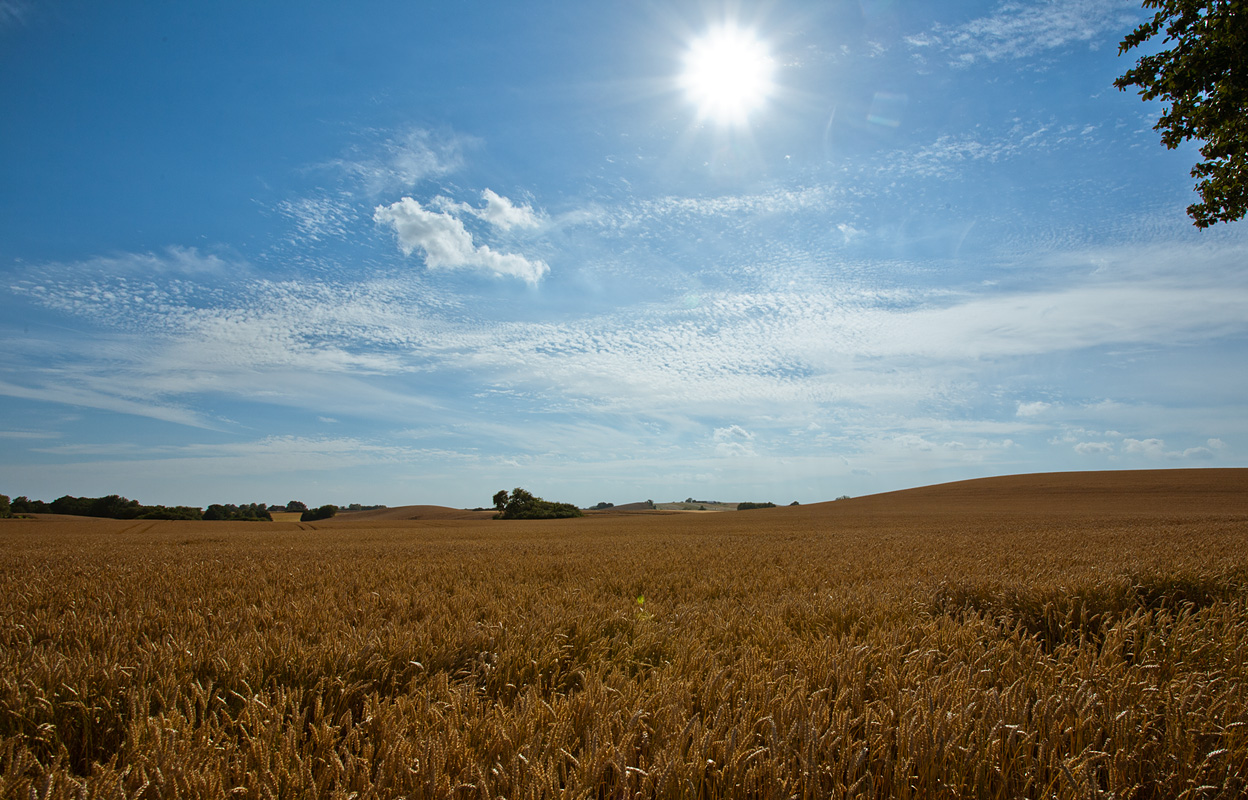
(1033, 636)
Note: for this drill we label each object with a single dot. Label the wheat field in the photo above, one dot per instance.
(1078, 635)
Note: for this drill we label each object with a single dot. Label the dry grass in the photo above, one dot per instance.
(1016, 639)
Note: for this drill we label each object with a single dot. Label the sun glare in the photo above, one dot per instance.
(728, 74)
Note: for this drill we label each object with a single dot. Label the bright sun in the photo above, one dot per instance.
(728, 74)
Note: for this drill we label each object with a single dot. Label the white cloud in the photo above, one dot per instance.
(1152, 447)
(733, 442)
(269, 455)
(1017, 30)
(502, 213)
(403, 160)
(317, 218)
(13, 12)
(696, 210)
(948, 153)
(1033, 408)
(448, 244)
(1156, 448)
(1094, 448)
(106, 401)
(29, 435)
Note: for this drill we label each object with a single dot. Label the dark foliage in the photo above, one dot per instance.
(324, 512)
(749, 506)
(108, 507)
(171, 512)
(24, 505)
(1203, 78)
(523, 505)
(248, 512)
(6, 508)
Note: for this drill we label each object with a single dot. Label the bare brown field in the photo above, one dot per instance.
(1076, 635)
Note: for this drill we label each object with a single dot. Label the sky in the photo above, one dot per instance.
(414, 253)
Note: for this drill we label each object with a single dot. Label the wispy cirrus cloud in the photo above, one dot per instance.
(728, 376)
(1022, 29)
(401, 160)
(757, 348)
(29, 435)
(318, 218)
(57, 391)
(14, 12)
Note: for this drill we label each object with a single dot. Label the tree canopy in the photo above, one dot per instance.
(324, 512)
(520, 504)
(1203, 77)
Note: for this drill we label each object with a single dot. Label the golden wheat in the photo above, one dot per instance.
(836, 651)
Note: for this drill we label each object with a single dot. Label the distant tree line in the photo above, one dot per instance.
(111, 506)
(115, 506)
(749, 506)
(249, 512)
(302, 508)
(520, 504)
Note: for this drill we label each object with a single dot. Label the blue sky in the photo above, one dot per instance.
(416, 253)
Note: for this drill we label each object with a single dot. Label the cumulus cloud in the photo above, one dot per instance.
(1033, 409)
(1152, 447)
(502, 213)
(1094, 448)
(1156, 448)
(733, 442)
(447, 244)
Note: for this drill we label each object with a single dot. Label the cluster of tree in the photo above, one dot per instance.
(601, 506)
(324, 512)
(5, 507)
(248, 512)
(712, 502)
(358, 507)
(519, 504)
(748, 506)
(109, 507)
